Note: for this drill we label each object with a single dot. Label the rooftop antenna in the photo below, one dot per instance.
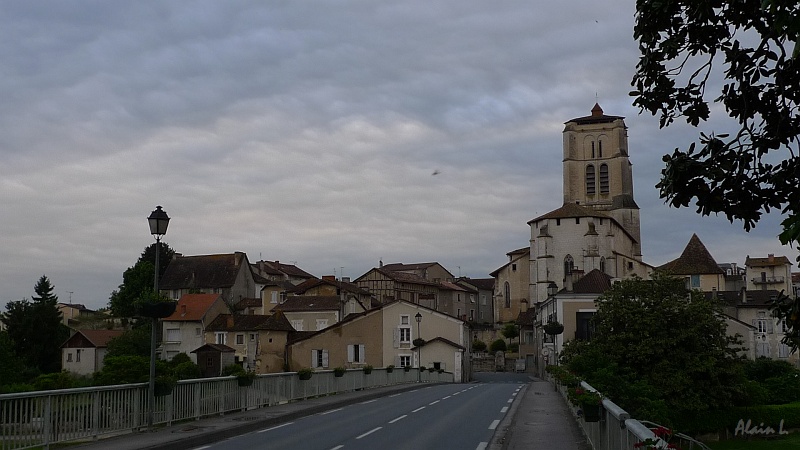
(70, 296)
(459, 271)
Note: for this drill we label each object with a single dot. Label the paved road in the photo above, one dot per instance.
(457, 416)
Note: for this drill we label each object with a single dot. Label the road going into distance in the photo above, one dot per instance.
(451, 416)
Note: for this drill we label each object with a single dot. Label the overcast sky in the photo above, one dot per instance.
(308, 132)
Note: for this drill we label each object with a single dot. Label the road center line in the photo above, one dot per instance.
(418, 409)
(398, 418)
(368, 432)
(275, 427)
(444, 398)
(494, 424)
(337, 447)
(331, 411)
(433, 402)
(393, 395)
(369, 401)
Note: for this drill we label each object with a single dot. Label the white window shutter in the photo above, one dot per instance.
(350, 354)
(314, 358)
(361, 354)
(397, 361)
(396, 338)
(325, 359)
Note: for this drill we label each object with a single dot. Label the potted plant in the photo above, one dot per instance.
(662, 439)
(406, 368)
(418, 342)
(390, 368)
(431, 369)
(245, 378)
(163, 385)
(422, 368)
(441, 370)
(305, 373)
(338, 372)
(589, 402)
(367, 369)
(553, 328)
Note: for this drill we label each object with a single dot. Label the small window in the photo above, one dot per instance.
(604, 179)
(69, 357)
(695, 280)
(253, 337)
(404, 319)
(599, 149)
(590, 180)
(405, 335)
(78, 355)
(322, 324)
(240, 339)
(198, 331)
(356, 353)
(405, 360)
(577, 221)
(514, 267)
(221, 338)
(507, 294)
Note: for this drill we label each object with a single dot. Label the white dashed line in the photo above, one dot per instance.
(203, 447)
(494, 424)
(433, 402)
(510, 400)
(482, 446)
(368, 432)
(393, 395)
(337, 447)
(398, 418)
(331, 411)
(369, 401)
(418, 409)
(445, 398)
(504, 410)
(275, 428)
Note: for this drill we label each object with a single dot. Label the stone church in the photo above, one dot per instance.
(597, 227)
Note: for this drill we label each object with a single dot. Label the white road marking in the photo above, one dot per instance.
(494, 424)
(276, 427)
(418, 409)
(203, 447)
(331, 411)
(337, 447)
(368, 432)
(393, 395)
(433, 402)
(482, 446)
(369, 401)
(510, 400)
(504, 410)
(514, 394)
(444, 398)
(398, 418)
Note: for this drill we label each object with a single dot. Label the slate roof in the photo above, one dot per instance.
(279, 268)
(343, 285)
(248, 303)
(486, 284)
(98, 338)
(527, 317)
(218, 347)
(297, 303)
(766, 262)
(752, 299)
(205, 271)
(192, 307)
(694, 260)
(393, 267)
(594, 282)
(597, 116)
(250, 322)
(451, 286)
(446, 341)
(571, 210)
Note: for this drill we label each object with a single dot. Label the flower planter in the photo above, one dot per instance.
(244, 380)
(304, 375)
(338, 372)
(389, 369)
(407, 368)
(162, 387)
(367, 370)
(591, 413)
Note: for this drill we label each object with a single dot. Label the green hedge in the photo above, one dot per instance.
(769, 415)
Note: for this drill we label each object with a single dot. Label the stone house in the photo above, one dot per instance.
(317, 312)
(698, 267)
(184, 330)
(258, 341)
(770, 273)
(512, 286)
(84, 351)
(226, 274)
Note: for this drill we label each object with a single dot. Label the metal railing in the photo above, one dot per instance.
(616, 430)
(33, 419)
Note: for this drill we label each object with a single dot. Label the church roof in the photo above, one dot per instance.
(570, 210)
(594, 282)
(597, 116)
(694, 260)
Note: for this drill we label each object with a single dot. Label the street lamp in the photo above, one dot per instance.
(158, 227)
(419, 349)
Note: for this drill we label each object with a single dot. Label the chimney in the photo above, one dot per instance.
(345, 279)
(523, 305)
(229, 321)
(329, 278)
(771, 257)
(568, 282)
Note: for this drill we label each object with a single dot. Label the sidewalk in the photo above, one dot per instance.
(189, 435)
(541, 420)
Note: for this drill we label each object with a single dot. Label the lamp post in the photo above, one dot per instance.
(419, 349)
(552, 289)
(158, 227)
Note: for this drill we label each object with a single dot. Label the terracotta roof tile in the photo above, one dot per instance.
(100, 338)
(594, 282)
(192, 307)
(767, 262)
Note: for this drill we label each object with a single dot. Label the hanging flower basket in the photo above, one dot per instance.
(553, 328)
(338, 372)
(418, 342)
(407, 368)
(389, 368)
(163, 386)
(157, 310)
(305, 374)
(367, 369)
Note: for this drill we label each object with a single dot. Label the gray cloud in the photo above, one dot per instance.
(308, 132)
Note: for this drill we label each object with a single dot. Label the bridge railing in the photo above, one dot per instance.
(616, 430)
(41, 418)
